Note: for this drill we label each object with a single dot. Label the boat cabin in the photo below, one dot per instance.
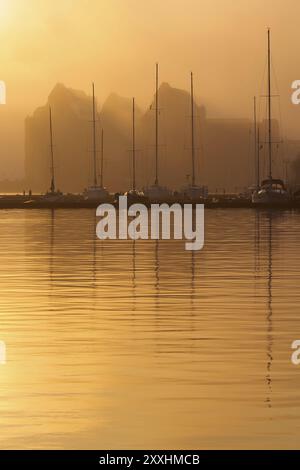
(275, 184)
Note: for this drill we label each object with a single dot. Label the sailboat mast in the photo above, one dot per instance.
(102, 157)
(258, 159)
(269, 105)
(255, 142)
(94, 138)
(193, 130)
(156, 126)
(52, 187)
(133, 145)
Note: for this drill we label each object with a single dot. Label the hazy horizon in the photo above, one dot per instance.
(116, 45)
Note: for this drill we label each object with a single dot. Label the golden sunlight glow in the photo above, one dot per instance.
(5, 11)
(115, 44)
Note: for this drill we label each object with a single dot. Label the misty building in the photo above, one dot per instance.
(224, 148)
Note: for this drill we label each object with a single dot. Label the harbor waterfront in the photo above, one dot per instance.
(149, 232)
(73, 201)
(105, 336)
(271, 192)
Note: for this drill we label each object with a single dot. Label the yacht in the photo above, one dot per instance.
(271, 190)
(97, 192)
(193, 192)
(52, 195)
(134, 196)
(157, 193)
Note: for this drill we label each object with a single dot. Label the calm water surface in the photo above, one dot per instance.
(122, 344)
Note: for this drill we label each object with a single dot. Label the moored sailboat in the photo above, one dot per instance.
(133, 195)
(193, 192)
(272, 190)
(96, 192)
(52, 195)
(157, 193)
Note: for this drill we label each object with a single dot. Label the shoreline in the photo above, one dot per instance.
(77, 202)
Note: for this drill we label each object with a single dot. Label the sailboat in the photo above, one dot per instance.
(271, 190)
(256, 154)
(96, 192)
(193, 192)
(157, 193)
(134, 195)
(256, 149)
(52, 195)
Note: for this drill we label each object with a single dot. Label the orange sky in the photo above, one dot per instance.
(117, 42)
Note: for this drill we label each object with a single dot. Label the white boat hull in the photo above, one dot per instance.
(96, 193)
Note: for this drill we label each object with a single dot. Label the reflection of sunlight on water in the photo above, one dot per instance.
(5, 13)
(2, 92)
(2, 353)
(105, 336)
